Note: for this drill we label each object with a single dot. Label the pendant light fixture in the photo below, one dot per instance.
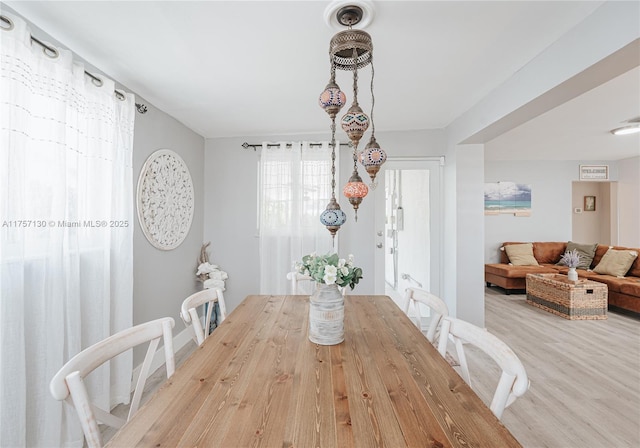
(351, 50)
(331, 100)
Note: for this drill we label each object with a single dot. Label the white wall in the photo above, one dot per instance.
(231, 205)
(551, 202)
(470, 229)
(629, 202)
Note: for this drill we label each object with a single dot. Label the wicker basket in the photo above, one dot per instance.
(579, 300)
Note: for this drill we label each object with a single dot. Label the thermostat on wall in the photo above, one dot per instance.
(577, 210)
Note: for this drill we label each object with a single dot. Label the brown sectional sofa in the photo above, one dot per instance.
(624, 292)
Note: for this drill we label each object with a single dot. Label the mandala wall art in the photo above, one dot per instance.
(165, 199)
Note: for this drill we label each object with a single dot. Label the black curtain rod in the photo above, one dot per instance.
(254, 146)
(53, 53)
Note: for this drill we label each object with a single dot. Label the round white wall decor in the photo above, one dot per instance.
(165, 199)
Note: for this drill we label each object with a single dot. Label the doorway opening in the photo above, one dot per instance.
(408, 227)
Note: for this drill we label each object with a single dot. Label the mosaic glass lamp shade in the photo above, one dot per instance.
(372, 157)
(332, 99)
(333, 217)
(355, 122)
(355, 190)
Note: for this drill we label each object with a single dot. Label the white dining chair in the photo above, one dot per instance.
(438, 309)
(513, 381)
(68, 384)
(297, 279)
(191, 318)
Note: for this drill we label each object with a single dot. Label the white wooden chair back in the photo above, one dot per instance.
(68, 383)
(295, 278)
(415, 297)
(513, 381)
(189, 312)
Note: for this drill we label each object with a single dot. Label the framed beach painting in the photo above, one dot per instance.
(507, 198)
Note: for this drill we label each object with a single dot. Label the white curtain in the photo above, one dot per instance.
(66, 228)
(295, 188)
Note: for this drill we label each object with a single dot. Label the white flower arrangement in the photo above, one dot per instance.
(330, 269)
(210, 274)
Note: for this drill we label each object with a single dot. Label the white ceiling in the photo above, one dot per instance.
(254, 68)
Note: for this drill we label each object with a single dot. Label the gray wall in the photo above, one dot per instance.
(231, 205)
(163, 279)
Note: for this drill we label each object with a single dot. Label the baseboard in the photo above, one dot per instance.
(179, 341)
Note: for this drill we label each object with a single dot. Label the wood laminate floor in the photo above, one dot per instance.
(585, 376)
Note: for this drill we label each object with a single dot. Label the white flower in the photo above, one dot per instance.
(350, 262)
(344, 270)
(330, 274)
(206, 268)
(218, 275)
(212, 283)
(329, 279)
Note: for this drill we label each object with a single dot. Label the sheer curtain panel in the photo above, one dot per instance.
(66, 230)
(295, 187)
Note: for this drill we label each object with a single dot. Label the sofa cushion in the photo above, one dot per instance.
(634, 270)
(585, 251)
(600, 251)
(548, 252)
(616, 262)
(521, 254)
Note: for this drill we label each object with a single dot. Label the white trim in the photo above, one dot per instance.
(179, 341)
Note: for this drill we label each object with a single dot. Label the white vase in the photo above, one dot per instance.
(572, 274)
(326, 315)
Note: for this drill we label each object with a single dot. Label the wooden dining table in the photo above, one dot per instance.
(258, 381)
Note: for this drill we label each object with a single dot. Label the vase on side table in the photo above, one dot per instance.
(572, 274)
(326, 315)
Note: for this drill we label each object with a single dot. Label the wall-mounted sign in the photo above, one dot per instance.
(594, 172)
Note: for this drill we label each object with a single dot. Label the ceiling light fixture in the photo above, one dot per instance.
(624, 130)
(351, 50)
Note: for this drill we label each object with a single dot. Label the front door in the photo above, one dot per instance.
(409, 226)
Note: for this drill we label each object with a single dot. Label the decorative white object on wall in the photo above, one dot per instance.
(507, 197)
(209, 274)
(594, 172)
(165, 199)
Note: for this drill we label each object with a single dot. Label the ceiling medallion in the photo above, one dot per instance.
(165, 199)
(352, 50)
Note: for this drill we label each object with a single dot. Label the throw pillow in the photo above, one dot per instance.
(586, 252)
(521, 254)
(616, 262)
